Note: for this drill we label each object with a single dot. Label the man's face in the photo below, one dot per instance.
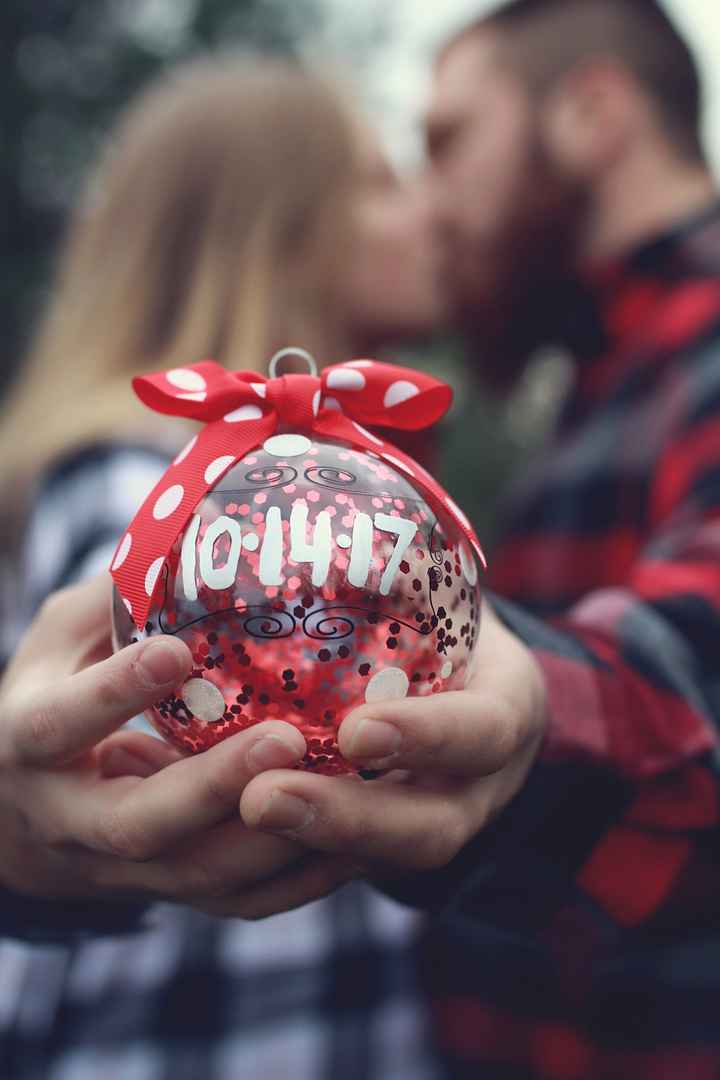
(505, 213)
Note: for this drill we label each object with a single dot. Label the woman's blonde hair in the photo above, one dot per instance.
(212, 228)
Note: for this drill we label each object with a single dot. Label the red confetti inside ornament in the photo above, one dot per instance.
(313, 575)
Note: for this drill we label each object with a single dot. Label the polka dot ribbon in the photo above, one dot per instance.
(241, 410)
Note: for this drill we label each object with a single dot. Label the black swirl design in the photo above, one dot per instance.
(268, 476)
(324, 624)
(329, 476)
(263, 622)
(437, 554)
(269, 624)
(271, 475)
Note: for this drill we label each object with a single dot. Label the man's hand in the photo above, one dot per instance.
(91, 812)
(456, 760)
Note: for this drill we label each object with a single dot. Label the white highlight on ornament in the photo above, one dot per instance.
(316, 402)
(287, 445)
(319, 550)
(362, 539)
(271, 552)
(405, 531)
(204, 700)
(251, 542)
(185, 379)
(344, 541)
(260, 388)
(122, 552)
(399, 391)
(128, 605)
(187, 558)
(218, 466)
(468, 565)
(359, 363)
(167, 503)
(457, 511)
(399, 464)
(153, 574)
(446, 669)
(220, 577)
(368, 434)
(345, 379)
(185, 451)
(391, 684)
(245, 412)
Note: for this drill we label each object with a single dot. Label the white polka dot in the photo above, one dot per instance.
(152, 575)
(389, 685)
(368, 434)
(167, 503)
(185, 450)
(359, 363)
(400, 464)
(468, 565)
(203, 699)
(260, 388)
(457, 511)
(446, 669)
(185, 379)
(344, 379)
(199, 396)
(219, 465)
(122, 552)
(245, 412)
(399, 391)
(251, 542)
(287, 445)
(343, 540)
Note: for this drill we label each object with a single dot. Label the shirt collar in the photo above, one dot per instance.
(606, 303)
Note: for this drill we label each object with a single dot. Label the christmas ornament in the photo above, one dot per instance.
(309, 564)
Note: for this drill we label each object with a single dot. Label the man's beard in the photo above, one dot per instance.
(529, 276)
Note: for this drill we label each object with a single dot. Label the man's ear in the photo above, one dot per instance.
(591, 116)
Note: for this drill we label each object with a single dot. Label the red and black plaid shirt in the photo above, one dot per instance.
(582, 935)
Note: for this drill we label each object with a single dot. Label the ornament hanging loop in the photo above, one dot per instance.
(292, 350)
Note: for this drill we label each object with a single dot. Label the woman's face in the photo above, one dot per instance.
(391, 283)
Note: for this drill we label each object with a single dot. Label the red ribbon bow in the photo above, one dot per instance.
(242, 409)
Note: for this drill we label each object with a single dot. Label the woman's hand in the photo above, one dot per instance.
(457, 759)
(89, 812)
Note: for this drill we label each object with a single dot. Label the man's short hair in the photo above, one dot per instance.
(548, 37)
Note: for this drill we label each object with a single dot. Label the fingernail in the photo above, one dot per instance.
(284, 811)
(374, 739)
(158, 664)
(271, 752)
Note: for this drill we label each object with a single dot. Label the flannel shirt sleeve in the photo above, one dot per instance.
(80, 511)
(622, 806)
(65, 922)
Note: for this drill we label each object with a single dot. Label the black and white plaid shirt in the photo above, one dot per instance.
(326, 991)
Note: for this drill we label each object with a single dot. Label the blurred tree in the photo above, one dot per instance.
(68, 67)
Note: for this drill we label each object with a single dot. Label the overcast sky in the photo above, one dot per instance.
(395, 79)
